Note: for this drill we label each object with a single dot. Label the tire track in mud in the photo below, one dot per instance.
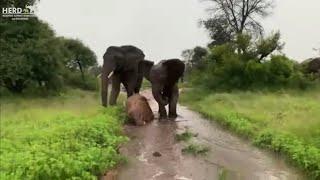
(229, 157)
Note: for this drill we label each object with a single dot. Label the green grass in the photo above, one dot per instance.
(287, 122)
(195, 149)
(65, 137)
(185, 136)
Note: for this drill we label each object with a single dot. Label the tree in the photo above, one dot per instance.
(219, 30)
(231, 17)
(187, 56)
(193, 57)
(28, 53)
(266, 46)
(198, 54)
(17, 3)
(80, 56)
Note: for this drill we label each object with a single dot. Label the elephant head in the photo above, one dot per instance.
(120, 63)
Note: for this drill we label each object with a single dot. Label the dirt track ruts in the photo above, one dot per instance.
(229, 157)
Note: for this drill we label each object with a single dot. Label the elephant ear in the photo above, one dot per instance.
(144, 68)
(175, 69)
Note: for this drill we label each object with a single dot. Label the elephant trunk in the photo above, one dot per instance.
(107, 72)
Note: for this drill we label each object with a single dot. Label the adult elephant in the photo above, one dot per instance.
(121, 65)
(164, 78)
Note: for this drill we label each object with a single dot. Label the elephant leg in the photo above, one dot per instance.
(129, 81)
(138, 85)
(173, 102)
(156, 92)
(115, 89)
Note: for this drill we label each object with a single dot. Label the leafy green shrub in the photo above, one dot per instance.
(65, 147)
(196, 149)
(89, 82)
(305, 156)
(226, 69)
(185, 136)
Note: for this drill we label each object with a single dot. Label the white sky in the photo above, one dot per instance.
(163, 28)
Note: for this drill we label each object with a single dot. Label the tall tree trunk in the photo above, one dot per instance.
(80, 67)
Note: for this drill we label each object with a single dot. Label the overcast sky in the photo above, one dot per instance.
(163, 28)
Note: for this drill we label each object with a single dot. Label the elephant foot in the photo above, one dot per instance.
(173, 115)
(162, 116)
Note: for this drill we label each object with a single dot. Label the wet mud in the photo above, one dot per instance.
(153, 152)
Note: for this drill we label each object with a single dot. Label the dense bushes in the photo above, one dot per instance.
(242, 64)
(63, 147)
(90, 82)
(33, 57)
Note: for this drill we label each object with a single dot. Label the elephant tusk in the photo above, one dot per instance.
(110, 74)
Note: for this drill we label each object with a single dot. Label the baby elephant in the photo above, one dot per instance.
(138, 110)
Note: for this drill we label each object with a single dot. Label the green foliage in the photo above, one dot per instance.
(17, 3)
(242, 64)
(78, 54)
(74, 79)
(285, 122)
(266, 46)
(306, 157)
(219, 30)
(195, 149)
(32, 57)
(29, 54)
(193, 59)
(68, 138)
(185, 136)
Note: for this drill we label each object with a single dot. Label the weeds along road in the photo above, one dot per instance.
(155, 154)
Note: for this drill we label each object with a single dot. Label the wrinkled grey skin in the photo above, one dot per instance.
(164, 77)
(121, 65)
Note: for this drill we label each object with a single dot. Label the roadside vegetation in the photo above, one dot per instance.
(34, 59)
(286, 122)
(185, 136)
(243, 81)
(195, 149)
(68, 136)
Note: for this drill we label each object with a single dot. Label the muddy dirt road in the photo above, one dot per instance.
(154, 154)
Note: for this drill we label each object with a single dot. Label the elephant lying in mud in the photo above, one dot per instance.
(121, 64)
(138, 110)
(164, 77)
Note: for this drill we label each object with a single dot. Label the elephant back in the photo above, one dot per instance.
(133, 56)
(123, 58)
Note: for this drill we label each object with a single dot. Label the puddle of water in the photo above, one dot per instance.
(229, 158)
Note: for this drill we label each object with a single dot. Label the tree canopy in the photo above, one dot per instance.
(32, 56)
(231, 17)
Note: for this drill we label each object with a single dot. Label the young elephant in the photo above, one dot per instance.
(164, 77)
(138, 110)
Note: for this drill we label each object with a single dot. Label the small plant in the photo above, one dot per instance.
(223, 174)
(195, 149)
(185, 136)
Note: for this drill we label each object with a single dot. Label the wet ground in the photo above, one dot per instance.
(154, 153)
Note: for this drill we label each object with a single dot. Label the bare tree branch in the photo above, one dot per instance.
(242, 15)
